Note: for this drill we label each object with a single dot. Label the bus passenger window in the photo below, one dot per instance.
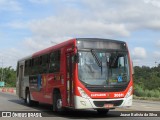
(26, 69)
(44, 64)
(36, 65)
(55, 61)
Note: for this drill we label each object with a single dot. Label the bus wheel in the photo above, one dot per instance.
(102, 111)
(28, 98)
(57, 103)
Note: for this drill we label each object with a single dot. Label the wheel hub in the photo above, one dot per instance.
(27, 98)
(59, 103)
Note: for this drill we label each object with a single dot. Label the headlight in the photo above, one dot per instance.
(129, 92)
(83, 93)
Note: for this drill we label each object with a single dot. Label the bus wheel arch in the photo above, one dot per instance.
(25, 97)
(57, 100)
(28, 100)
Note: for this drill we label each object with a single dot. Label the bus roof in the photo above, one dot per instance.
(49, 49)
(100, 39)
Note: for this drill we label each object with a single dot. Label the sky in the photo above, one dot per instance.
(27, 26)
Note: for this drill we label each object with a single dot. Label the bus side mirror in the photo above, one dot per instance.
(76, 58)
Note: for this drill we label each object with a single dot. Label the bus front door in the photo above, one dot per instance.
(69, 75)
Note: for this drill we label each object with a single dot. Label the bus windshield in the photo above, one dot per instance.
(97, 67)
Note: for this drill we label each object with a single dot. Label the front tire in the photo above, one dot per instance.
(57, 103)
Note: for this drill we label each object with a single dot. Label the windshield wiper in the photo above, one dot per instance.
(98, 61)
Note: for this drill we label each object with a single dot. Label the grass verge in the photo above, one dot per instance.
(146, 98)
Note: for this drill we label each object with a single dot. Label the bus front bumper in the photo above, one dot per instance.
(83, 103)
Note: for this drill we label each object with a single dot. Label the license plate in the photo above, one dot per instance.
(108, 105)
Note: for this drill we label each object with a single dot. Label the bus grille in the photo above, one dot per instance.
(106, 89)
(102, 103)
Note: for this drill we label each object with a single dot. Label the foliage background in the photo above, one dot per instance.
(8, 75)
(146, 80)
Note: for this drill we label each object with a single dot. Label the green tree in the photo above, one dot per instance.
(147, 81)
(8, 75)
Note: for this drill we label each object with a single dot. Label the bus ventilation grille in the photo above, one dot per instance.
(102, 103)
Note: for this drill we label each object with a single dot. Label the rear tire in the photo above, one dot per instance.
(102, 111)
(28, 100)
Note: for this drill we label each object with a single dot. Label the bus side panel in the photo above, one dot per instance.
(39, 92)
(63, 77)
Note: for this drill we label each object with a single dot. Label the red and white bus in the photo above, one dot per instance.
(82, 73)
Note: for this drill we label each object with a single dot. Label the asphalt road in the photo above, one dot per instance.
(144, 105)
(10, 102)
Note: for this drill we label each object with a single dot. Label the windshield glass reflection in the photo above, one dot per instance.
(103, 68)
